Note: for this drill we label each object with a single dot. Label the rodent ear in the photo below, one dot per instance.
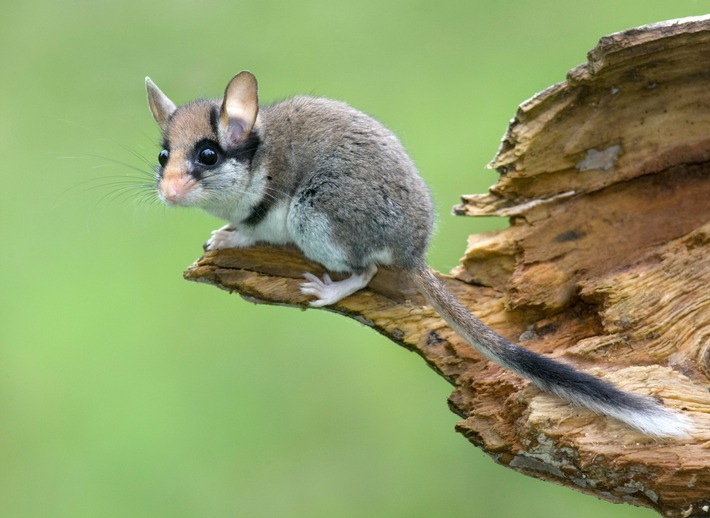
(239, 109)
(160, 106)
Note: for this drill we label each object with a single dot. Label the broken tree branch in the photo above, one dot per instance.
(606, 180)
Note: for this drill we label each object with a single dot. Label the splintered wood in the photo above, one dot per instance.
(606, 181)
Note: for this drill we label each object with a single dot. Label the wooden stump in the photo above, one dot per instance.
(606, 181)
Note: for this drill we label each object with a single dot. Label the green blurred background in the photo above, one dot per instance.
(126, 391)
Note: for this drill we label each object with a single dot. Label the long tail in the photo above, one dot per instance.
(640, 412)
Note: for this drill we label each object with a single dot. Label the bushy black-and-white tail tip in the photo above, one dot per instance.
(643, 413)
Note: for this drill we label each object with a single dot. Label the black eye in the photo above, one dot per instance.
(163, 157)
(208, 156)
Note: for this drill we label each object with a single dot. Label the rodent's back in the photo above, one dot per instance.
(349, 168)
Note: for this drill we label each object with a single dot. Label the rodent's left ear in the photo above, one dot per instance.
(160, 106)
(239, 109)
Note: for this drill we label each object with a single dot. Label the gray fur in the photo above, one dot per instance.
(338, 185)
(344, 167)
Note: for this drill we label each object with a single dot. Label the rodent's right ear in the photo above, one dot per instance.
(160, 106)
(239, 109)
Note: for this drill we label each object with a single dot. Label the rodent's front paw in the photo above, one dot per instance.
(227, 237)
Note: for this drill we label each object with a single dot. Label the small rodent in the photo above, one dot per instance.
(337, 184)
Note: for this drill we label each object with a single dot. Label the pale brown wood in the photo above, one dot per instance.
(606, 181)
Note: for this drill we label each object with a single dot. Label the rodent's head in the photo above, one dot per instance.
(207, 145)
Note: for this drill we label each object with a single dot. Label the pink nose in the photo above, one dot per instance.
(175, 188)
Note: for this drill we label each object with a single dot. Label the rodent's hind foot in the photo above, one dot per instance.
(328, 291)
(227, 237)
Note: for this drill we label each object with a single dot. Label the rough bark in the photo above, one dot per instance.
(606, 181)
